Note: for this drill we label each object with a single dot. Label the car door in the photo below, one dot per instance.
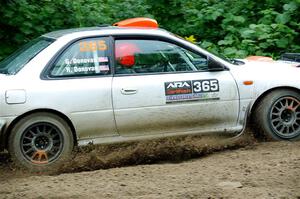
(80, 85)
(160, 87)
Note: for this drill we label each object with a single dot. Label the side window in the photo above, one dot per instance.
(152, 56)
(85, 57)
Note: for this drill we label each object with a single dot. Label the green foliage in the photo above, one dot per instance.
(235, 28)
(23, 20)
(230, 27)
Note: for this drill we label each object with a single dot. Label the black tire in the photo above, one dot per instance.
(41, 142)
(277, 116)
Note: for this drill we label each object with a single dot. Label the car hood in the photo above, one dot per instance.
(272, 62)
(267, 70)
(270, 66)
(264, 76)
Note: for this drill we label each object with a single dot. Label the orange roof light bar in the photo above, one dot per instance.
(139, 22)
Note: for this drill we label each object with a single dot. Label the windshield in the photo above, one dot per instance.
(16, 61)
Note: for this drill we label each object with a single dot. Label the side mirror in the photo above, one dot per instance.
(213, 65)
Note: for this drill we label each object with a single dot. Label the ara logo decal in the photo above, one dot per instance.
(179, 87)
(192, 90)
(173, 85)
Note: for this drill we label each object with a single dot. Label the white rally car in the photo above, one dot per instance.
(133, 81)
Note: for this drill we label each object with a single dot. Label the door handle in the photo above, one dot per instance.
(128, 91)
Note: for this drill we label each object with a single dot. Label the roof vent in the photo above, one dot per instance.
(140, 22)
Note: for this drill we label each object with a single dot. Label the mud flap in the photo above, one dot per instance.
(2, 125)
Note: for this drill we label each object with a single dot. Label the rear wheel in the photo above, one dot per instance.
(277, 116)
(41, 142)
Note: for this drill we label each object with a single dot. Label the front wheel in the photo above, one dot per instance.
(277, 116)
(41, 142)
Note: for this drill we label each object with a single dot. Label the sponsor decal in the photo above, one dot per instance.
(94, 69)
(104, 68)
(86, 60)
(192, 90)
(89, 65)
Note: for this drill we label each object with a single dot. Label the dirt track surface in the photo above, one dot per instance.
(258, 170)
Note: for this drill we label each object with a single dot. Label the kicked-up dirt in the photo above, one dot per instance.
(186, 167)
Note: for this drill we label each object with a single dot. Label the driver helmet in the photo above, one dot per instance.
(125, 53)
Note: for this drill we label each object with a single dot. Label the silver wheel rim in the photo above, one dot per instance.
(41, 143)
(285, 117)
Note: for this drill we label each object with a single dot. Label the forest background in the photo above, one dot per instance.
(234, 28)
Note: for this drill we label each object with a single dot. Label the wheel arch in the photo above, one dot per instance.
(17, 119)
(265, 93)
